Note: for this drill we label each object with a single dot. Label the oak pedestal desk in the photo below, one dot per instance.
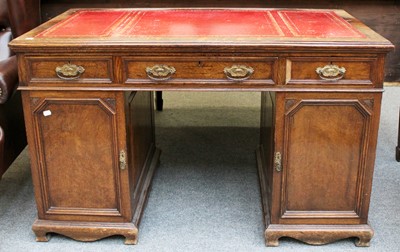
(87, 78)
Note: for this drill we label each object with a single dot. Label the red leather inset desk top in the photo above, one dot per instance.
(202, 23)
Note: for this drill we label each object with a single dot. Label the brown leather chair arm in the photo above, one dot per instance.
(8, 78)
(4, 21)
(24, 15)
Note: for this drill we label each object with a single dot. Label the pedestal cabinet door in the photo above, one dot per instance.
(324, 157)
(78, 165)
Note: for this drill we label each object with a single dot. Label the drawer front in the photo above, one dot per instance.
(221, 70)
(70, 70)
(331, 71)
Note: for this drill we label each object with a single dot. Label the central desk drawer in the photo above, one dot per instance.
(221, 70)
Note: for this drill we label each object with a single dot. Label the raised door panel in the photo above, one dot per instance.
(79, 166)
(140, 130)
(325, 170)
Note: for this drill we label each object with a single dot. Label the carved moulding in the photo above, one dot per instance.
(319, 234)
(85, 231)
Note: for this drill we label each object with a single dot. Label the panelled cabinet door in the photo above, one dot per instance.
(79, 168)
(325, 149)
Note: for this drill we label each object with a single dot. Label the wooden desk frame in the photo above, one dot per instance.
(317, 141)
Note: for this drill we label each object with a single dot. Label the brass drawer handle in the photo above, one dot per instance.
(238, 72)
(69, 71)
(160, 72)
(331, 72)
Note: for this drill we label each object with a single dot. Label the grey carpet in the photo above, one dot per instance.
(205, 194)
